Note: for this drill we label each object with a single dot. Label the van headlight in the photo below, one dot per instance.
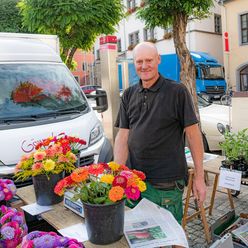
(95, 134)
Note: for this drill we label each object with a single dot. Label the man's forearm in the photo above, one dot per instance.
(196, 148)
(121, 147)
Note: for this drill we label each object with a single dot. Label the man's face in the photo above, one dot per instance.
(146, 61)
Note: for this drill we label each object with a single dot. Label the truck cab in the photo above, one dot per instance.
(40, 98)
(209, 75)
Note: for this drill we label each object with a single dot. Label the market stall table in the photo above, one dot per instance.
(211, 166)
(60, 217)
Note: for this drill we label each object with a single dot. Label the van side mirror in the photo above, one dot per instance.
(101, 100)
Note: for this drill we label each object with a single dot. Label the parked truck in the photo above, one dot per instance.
(39, 97)
(210, 79)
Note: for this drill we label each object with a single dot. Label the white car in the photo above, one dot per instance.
(215, 119)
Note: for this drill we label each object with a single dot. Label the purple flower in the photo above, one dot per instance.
(2, 196)
(18, 218)
(8, 232)
(44, 241)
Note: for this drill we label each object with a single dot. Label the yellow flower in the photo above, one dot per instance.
(49, 165)
(107, 179)
(142, 186)
(113, 166)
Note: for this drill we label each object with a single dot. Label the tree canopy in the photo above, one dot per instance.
(176, 13)
(76, 22)
(11, 20)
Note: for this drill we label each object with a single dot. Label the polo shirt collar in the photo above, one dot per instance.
(155, 87)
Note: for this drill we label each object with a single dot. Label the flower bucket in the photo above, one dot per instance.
(44, 189)
(104, 223)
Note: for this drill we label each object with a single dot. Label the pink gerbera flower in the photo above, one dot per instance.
(132, 192)
(37, 166)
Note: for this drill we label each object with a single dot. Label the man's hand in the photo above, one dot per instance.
(199, 189)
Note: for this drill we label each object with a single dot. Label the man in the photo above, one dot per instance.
(152, 119)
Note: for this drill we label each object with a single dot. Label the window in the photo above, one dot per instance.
(244, 79)
(168, 30)
(244, 28)
(98, 54)
(134, 38)
(77, 78)
(148, 34)
(119, 45)
(217, 24)
(131, 4)
(84, 66)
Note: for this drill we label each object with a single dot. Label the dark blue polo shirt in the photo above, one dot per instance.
(156, 118)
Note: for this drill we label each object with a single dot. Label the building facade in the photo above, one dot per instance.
(235, 27)
(84, 71)
(204, 35)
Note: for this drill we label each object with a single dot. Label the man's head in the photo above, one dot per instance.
(146, 61)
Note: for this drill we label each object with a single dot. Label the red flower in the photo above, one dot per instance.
(120, 181)
(140, 174)
(96, 169)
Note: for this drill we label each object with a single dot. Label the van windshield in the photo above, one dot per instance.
(38, 90)
(212, 72)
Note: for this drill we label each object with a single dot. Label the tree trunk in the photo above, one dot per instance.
(70, 57)
(187, 74)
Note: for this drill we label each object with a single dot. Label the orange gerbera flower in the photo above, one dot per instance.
(80, 174)
(116, 193)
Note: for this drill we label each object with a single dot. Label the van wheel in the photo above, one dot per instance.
(205, 143)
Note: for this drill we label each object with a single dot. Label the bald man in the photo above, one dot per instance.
(153, 116)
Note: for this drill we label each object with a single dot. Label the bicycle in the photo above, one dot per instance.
(227, 98)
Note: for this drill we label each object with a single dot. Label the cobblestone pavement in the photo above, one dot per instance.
(194, 228)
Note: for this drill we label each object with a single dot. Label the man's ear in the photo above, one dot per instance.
(159, 59)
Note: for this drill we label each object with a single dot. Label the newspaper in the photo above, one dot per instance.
(242, 233)
(148, 225)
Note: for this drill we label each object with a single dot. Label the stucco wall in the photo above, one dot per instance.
(238, 55)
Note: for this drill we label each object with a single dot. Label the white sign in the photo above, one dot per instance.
(35, 209)
(77, 232)
(230, 179)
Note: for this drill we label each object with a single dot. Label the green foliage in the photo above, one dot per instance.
(235, 145)
(161, 13)
(76, 22)
(11, 20)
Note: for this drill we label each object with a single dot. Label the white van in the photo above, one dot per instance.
(39, 97)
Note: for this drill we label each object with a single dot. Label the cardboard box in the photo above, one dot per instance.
(222, 224)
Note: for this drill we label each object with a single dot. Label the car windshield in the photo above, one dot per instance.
(212, 72)
(38, 90)
(202, 103)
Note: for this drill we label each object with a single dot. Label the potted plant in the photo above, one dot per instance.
(12, 227)
(103, 188)
(53, 157)
(235, 148)
(38, 239)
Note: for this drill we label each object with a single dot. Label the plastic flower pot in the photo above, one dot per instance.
(44, 189)
(104, 223)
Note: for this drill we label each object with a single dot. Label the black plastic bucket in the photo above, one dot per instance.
(44, 189)
(104, 223)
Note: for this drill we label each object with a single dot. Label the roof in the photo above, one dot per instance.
(21, 49)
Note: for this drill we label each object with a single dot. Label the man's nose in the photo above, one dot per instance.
(144, 65)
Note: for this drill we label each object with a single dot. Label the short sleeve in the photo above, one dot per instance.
(122, 120)
(186, 111)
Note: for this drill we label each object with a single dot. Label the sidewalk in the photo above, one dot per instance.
(194, 228)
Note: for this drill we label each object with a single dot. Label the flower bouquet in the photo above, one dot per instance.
(102, 188)
(38, 239)
(12, 227)
(68, 143)
(46, 166)
(7, 189)
(103, 183)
